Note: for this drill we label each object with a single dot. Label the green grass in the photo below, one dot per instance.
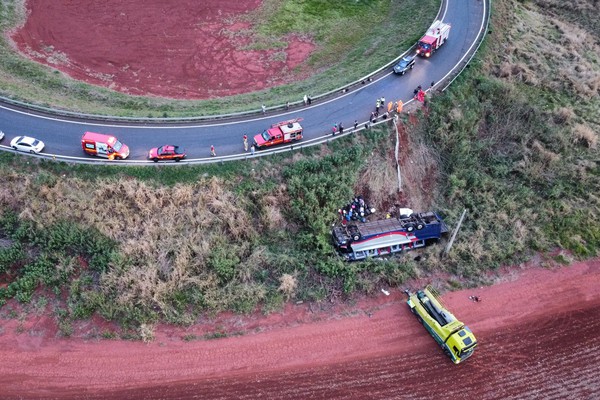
(359, 37)
(178, 243)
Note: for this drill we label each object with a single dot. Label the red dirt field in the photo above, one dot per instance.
(185, 49)
(537, 332)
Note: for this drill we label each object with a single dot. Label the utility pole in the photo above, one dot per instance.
(451, 242)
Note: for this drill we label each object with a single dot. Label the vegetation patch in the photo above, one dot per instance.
(139, 246)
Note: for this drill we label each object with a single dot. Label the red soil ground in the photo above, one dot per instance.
(537, 332)
(185, 49)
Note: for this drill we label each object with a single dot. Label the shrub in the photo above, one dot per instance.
(10, 256)
(223, 262)
(288, 284)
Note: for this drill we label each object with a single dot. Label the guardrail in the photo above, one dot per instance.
(471, 53)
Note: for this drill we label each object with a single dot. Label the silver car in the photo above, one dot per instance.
(27, 144)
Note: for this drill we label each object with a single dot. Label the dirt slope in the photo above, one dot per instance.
(186, 50)
(537, 340)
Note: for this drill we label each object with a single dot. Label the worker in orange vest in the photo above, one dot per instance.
(399, 107)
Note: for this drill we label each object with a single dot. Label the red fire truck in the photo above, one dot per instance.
(433, 39)
(281, 132)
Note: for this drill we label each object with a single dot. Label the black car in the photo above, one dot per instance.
(404, 65)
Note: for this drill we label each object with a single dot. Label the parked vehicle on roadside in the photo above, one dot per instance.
(166, 152)
(404, 65)
(281, 132)
(27, 144)
(101, 145)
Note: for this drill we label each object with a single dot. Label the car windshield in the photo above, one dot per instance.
(117, 146)
(265, 135)
(161, 150)
(403, 63)
(35, 142)
(425, 46)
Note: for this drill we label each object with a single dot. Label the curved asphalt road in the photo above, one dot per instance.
(62, 136)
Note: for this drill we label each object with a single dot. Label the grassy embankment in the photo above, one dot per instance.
(352, 38)
(516, 138)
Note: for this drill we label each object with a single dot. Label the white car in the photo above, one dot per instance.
(27, 144)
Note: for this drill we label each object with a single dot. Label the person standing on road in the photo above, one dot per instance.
(334, 129)
(355, 124)
(245, 142)
(305, 100)
(341, 127)
(264, 108)
(213, 153)
(252, 150)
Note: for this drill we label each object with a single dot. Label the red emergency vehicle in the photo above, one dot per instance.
(281, 132)
(433, 39)
(166, 152)
(101, 145)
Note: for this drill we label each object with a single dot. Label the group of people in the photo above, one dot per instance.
(337, 128)
(391, 107)
(213, 152)
(420, 94)
(356, 210)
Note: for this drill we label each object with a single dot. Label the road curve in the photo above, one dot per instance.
(62, 136)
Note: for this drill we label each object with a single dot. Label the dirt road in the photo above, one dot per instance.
(538, 338)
